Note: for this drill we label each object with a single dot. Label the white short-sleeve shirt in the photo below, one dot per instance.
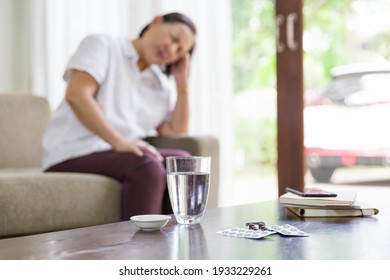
(134, 102)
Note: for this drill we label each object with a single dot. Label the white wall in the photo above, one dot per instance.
(14, 56)
(6, 39)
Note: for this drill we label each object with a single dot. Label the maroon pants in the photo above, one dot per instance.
(143, 178)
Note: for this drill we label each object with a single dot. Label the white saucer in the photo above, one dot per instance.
(150, 222)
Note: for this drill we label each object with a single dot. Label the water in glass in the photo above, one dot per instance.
(188, 192)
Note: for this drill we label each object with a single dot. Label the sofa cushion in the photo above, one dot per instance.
(35, 202)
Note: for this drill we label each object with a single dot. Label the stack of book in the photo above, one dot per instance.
(342, 205)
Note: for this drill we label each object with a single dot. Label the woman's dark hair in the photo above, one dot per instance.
(175, 18)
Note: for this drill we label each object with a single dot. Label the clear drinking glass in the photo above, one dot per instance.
(188, 186)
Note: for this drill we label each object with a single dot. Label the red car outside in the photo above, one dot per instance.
(348, 124)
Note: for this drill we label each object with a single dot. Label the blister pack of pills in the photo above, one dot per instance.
(288, 230)
(260, 230)
(246, 233)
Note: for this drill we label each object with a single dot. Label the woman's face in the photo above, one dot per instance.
(165, 43)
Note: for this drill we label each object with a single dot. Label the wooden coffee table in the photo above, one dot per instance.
(330, 238)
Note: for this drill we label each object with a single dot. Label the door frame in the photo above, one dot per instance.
(290, 103)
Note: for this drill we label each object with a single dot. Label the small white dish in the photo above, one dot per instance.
(150, 222)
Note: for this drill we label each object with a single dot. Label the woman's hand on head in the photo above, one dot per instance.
(137, 148)
(179, 69)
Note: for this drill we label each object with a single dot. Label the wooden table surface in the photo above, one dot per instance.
(330, 238)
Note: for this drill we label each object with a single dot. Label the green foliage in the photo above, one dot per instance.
(326, 32)
(257, 139)
(326, 19)
(253, 44)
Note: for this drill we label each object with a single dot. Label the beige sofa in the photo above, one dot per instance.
(35, 202)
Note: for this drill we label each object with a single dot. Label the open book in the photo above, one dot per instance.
(358, 209)
(343, 198)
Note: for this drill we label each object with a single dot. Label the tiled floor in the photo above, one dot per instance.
(371, 185)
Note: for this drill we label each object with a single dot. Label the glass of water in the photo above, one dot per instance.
(188, 186)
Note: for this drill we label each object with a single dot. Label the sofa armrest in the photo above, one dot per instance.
(196, 146)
